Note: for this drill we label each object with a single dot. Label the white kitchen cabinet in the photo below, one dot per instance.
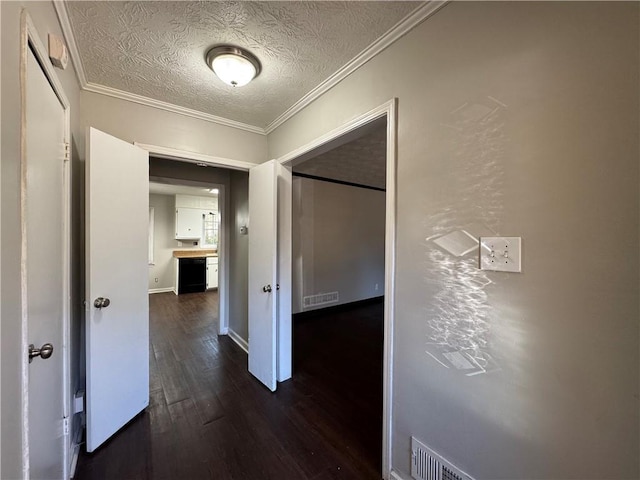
(188, 223)
(212, 272)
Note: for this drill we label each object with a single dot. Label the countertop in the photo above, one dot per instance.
(195, 253)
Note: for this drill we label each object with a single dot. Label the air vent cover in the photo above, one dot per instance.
(320, 299)
(428, 465)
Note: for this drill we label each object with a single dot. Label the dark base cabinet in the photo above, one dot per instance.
(192, 275)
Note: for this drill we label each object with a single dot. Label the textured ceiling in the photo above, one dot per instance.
(361, 161)
(157, 49)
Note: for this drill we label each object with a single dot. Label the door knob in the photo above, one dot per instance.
(266, 289)
(101, 302)
(43, 352)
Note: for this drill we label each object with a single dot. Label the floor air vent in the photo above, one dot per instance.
(320, 299)
(428, 465)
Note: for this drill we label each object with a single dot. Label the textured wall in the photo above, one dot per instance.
(338, 241)
(518, 119)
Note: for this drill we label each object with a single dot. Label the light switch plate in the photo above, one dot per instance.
(500, 254)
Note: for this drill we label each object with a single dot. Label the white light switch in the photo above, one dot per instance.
(501, 254)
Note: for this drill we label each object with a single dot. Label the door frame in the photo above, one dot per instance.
(220, 162)
(29, 39)
(324, 143)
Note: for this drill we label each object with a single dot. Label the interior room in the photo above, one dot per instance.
(510, 348)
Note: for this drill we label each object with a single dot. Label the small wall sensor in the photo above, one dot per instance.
(244, 230)
(58, 52)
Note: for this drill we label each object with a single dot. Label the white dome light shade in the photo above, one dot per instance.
(233, 65)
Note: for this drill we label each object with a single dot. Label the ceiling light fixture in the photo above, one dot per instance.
(233, 65)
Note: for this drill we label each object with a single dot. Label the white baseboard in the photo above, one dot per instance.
(242, 343)
(75, 449)
(161, 290)
(75, 453)
(396, 476)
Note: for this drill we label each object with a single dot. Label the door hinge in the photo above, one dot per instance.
(65, 426)
(67, 152)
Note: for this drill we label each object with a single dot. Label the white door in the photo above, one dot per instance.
(269, 273)
(263, 244)
(44, 223)
(117, 334)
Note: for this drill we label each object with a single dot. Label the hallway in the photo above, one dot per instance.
(208, 418)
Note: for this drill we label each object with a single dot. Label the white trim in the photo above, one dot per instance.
(29, 37)
(74, 458)
(338, 132)
(396, 32)
(67, 31)
(193, 157)
(224, 286)
(0, 244)
(223, 249)
(170, 107)
(151, 235)
(393, 475)
(160, 290)
(388, 109)
(390, 285)
(242, 343)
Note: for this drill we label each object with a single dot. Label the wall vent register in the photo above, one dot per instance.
(428, 465)
(320, 299)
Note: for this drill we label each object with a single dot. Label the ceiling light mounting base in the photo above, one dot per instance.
(235, 66)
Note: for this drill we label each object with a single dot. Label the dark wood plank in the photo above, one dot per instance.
(208, 418)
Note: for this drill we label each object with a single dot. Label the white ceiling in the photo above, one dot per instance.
(156, 49)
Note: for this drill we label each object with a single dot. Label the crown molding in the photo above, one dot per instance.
(67, 32)
(170, 107)
(397, 31)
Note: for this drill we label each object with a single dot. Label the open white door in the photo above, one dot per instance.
(117, 303)
(270, 273)
(263, 244)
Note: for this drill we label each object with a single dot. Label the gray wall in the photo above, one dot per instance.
(338, 241)
(546, 148)
(164, 241)
(138, 123)
(239, 255)
(172, 169)
(45, 20)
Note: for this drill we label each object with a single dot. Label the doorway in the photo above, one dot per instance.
(387, 114)
(338, 258)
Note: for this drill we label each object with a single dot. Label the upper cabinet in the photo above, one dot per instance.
(192, 201)
(197, 219)
(188, 223)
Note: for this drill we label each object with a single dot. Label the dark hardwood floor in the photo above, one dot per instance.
(208, 418)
